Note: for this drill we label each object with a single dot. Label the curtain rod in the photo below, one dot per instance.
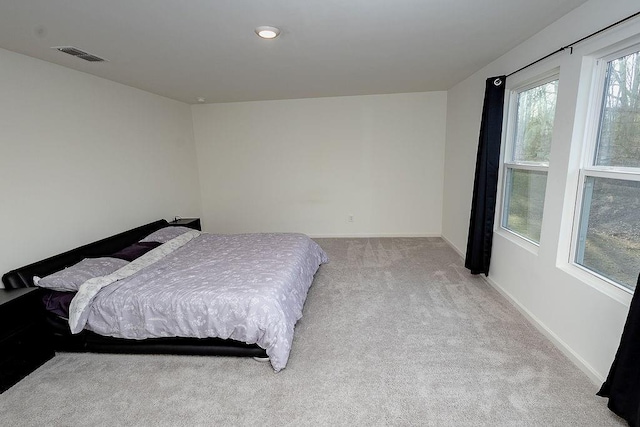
(570, 45)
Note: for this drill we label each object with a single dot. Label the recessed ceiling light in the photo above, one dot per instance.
(200, 99)
(267, 32)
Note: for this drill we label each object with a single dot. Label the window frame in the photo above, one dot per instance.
(509, 142)
(588, 168)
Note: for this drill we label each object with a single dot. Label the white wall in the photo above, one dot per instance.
(582, 315)
(82, 158)
(306, 165)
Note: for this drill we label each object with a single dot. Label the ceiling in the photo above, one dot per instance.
(207, 48)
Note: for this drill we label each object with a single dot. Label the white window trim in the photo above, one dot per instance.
(588, 169)
(595, 104)
(507, 156)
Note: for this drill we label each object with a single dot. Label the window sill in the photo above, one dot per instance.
(523, 242)
(611, 289)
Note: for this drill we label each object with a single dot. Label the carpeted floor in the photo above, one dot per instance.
(395, 332)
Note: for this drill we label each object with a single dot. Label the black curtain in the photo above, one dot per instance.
(485, 186)
(622, 386)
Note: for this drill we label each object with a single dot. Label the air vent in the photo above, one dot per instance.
(74, 51)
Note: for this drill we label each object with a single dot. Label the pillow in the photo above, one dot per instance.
(58, 302)
(72, 277)
(165, 234)
(135, 251)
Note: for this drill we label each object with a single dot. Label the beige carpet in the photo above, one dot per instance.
(395, 332)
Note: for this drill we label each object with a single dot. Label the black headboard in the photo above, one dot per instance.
(23, 277)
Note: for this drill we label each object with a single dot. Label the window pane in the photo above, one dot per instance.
(609, 234)
(534, 123)
(619, 135)
(524, 202)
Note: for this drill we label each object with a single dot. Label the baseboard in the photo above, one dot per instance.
(582, 364)
(371, 235)
(453, 246)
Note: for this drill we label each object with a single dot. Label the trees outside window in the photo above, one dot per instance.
(532, 112)
(608, 236)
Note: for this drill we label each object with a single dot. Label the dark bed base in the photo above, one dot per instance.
(87, 341)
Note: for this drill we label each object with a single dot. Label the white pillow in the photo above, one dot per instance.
(165, 234)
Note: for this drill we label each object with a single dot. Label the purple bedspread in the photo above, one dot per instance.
(246, 287)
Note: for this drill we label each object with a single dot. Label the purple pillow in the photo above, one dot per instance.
(72, 277)
(58, 302)
(135, 251)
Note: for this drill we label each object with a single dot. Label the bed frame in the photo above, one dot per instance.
(87, 341)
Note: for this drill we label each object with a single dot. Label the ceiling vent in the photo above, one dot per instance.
(74, 51)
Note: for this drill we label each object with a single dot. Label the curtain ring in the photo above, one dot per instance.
(497, 82)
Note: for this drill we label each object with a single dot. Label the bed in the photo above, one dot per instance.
(186, 293)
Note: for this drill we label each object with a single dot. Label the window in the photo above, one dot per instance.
(531, 113)
(608, 235)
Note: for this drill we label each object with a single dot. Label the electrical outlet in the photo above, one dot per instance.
(350, 218)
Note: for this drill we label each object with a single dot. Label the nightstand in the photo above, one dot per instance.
(25, 340)
(187, 222)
